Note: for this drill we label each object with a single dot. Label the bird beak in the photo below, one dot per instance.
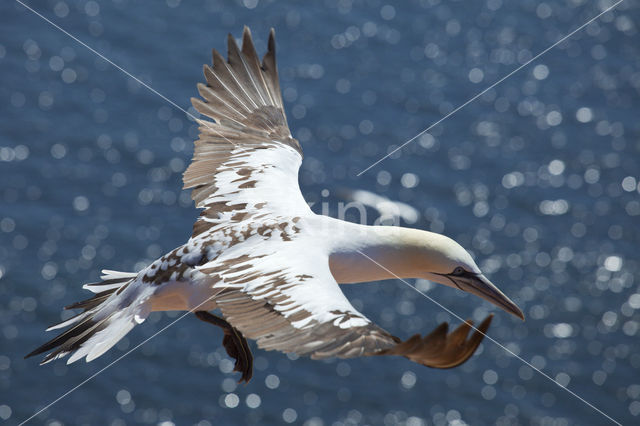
(482, 287)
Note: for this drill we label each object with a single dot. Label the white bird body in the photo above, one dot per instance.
(261, 256)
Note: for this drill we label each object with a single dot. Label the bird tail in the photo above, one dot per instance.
(118, 305)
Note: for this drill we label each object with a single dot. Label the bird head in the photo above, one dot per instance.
(446, 262)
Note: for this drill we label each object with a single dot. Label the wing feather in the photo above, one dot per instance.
(245, 160)
(243, 75)
(253, 64)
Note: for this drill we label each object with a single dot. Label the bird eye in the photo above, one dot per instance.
(458, 271)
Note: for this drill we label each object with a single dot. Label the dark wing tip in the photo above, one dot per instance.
(481, 330)
(440, 349)
(232, 46)
(272, 41)
(217, 58)
(248, 48)
(247, 40)
(246, 33)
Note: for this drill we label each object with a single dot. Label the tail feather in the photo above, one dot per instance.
(65, 341)
(103, 338)
(107, 316)
(74, 319)
(114, 280)
(110, 280)
(92, 302)
(87, 305)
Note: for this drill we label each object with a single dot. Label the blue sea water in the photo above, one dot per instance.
(538, 177)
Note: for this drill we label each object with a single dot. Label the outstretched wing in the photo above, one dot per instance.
(247, 161)
(292, 303)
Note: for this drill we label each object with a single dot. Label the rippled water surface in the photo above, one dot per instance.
(538, 177)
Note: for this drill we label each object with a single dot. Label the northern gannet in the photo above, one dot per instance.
(262, 257)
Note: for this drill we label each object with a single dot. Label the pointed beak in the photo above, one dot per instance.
(482, 287)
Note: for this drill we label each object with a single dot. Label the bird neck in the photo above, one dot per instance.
(361, 253)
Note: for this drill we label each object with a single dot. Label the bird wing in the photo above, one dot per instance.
(284, 296)
(287, 300)
(440, 349)
(247, 161)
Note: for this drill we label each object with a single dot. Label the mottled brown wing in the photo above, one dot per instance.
(247, 159)
(439, 349)
(292, 303)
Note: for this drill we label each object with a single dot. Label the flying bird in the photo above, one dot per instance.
(260, 256)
